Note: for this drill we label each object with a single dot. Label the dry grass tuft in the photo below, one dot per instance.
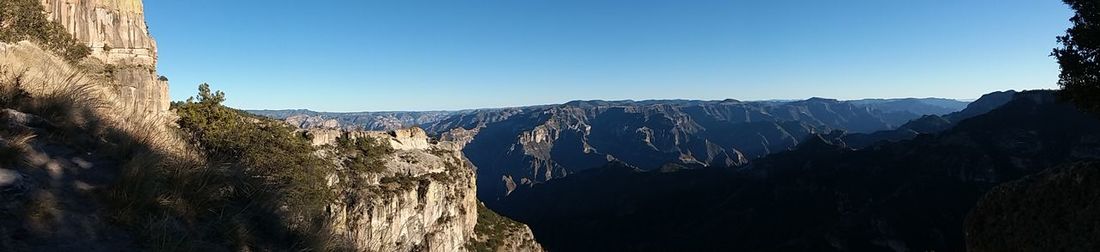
(84, 113)
(14, 148)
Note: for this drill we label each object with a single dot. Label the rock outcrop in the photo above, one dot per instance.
(422, 201)
(116, 32)
(425, 199)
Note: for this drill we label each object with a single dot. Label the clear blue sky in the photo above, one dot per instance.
(364, 55)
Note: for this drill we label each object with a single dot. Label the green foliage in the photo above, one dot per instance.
(491, 230)
(248, 184)
(1079, 56)
(259, 186)
(26, 20)
(266, 151)
(363, 154)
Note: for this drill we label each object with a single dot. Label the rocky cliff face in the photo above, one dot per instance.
(538, 144)
(116, 32)
(424, 200)
(421, 201)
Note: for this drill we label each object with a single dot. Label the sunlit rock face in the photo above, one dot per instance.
(116, 32)
(424, 199)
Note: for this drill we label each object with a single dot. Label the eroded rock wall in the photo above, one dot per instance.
(425, 198)
(116, 32)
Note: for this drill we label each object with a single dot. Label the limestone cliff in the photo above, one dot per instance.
(425, 199)
(116, 32)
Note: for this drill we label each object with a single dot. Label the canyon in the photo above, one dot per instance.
(94, 156)
(423, 198)
(908, 195)
(528, 145)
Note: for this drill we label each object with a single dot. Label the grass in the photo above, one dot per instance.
(256, 186)
(236, 183)
(13, 147)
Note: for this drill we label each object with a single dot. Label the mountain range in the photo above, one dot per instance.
(520, 146)
(909, 195)
(816, 174)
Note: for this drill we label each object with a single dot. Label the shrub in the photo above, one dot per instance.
(363, 154)
(491, 230)
(26, 20)
(264, 169)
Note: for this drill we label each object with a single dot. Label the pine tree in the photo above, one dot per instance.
(1079, 56)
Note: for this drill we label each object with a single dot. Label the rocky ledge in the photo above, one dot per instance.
(425, 199)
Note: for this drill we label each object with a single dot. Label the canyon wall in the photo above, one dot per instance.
(116, 32)
(424, 199)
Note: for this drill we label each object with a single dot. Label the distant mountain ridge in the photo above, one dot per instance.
(391, 120)
(527, 145)
(919, 106)
(909, 195)
(932, 123)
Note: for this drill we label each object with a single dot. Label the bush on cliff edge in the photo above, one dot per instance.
(26, 20)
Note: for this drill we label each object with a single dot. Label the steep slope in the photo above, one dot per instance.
(931, 123)
(540, 144)
(910, 195)
(63, 141)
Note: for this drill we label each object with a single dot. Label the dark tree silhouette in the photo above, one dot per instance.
(1079, 56)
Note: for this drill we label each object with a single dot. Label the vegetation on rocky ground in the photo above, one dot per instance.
(237, 182)
(492, 230)
(362, 154)
(1053, 210)
(26, 20)
(61, 110)
(255, 186)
